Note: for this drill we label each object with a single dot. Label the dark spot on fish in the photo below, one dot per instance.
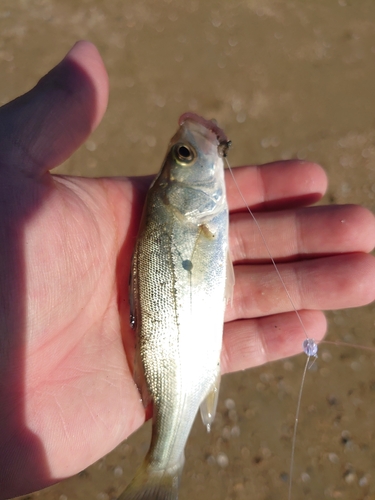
(187, 265)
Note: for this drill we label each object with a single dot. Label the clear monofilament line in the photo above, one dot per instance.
(295, 428)
(268, 250)
(309, 345)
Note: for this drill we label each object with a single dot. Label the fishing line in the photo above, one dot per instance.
(309, 346)
(269, 254)
(295, 428)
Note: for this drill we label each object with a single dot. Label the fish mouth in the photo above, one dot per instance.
(210, 125)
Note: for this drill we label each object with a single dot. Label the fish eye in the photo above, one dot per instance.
(184, 153)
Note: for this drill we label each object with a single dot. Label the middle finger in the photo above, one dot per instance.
(303, 233)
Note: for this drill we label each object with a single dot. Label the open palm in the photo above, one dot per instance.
(66, 348)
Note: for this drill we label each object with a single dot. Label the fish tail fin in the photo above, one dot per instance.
(153, 485)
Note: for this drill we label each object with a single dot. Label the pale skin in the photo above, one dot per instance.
(66, 389)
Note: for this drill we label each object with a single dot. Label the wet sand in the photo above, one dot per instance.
(284, 80)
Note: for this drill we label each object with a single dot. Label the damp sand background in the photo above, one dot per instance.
(284, 79)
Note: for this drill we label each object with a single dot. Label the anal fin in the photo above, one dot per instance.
(209, 404)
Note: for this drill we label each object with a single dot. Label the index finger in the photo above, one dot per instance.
(277, 185)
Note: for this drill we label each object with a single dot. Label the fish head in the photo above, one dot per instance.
(196, 150)
(193, 170)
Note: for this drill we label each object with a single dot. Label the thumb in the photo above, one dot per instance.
(43, 127)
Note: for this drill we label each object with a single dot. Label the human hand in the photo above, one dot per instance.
(66, 389)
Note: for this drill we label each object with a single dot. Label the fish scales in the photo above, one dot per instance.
(178, 294)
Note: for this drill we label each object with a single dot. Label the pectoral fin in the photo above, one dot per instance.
(209, 404)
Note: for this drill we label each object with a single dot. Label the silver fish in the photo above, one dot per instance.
(179, 286)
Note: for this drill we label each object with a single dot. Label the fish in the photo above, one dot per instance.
(181, 279)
